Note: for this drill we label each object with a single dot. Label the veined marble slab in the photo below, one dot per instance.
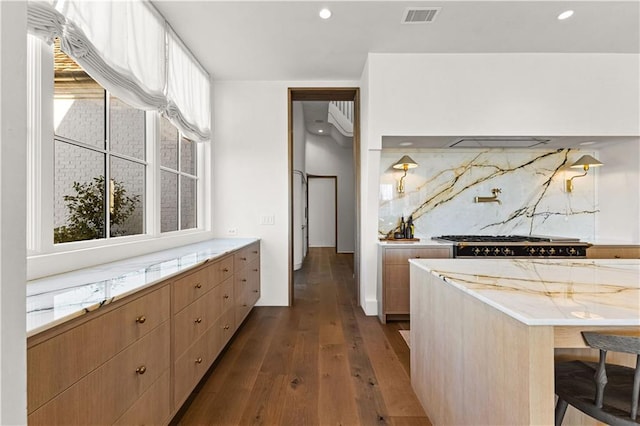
(59, 298)
(549, 292)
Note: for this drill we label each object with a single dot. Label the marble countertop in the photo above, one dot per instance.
(415, 244)
(59, 298)
(549, 291)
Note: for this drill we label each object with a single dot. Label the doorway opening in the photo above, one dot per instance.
(324, 128)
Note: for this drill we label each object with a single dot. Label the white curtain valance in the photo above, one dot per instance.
(129, 49)
(188, 89)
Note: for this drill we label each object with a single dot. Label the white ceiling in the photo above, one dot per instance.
(286, 40)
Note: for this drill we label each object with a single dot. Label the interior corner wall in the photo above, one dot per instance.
(326, 158)
(618, 193)
(485, 94)
(13, 184)
(250, 171)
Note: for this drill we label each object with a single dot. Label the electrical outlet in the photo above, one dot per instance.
(232, 231)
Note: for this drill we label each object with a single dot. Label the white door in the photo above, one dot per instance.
(322, 212)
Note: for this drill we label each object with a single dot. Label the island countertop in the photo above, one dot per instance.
(56, 299)
(553, 292)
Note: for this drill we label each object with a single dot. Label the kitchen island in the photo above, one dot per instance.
(484, 333)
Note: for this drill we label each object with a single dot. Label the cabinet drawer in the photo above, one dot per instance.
(402, 255)
(106, 393)
(220, 270)
(228, 325)
(57, 363)
(189, 368)
(153, 407)
(245, 256)
(222, 299)
(190, 323)
(189, 288)
(396, 289)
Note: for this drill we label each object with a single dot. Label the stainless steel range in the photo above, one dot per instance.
(520, 246)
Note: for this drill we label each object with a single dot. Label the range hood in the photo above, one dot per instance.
(498, 142)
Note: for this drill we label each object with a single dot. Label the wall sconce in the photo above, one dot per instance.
(405, 163)
(583, 162)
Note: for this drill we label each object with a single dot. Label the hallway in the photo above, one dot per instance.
(320, 362)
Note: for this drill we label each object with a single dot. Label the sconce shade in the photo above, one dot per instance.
(405, 163)
(585, 162)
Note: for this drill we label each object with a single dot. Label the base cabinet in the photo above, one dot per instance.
(393, 295)
(613, 252)
(137, 360)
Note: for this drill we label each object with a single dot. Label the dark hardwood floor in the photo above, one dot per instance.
(320, 362)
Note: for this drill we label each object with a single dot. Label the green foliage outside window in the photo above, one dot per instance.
(86, 215)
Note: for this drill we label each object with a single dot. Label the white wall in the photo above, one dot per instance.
(325, 157)
(13, 135)
(486, 94)
(250, 169)
(322, 212)
(618, 193)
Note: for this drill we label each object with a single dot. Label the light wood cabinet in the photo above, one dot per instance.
(613, 252)
(135, 361)
(106, 393)
(393, 294)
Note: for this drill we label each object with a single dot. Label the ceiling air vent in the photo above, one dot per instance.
(419, 15)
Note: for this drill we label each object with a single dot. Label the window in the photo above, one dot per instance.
(178, 165)
(99, 159)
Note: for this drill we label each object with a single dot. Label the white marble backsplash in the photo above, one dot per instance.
(440, 193)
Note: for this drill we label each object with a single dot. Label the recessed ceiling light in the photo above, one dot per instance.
(565, 15)
(405, 143)
(587, 143)
(320, 131)
(325, 13)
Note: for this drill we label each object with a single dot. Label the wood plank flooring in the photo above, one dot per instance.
(320, 362)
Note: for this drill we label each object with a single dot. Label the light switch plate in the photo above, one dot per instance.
(268, 220)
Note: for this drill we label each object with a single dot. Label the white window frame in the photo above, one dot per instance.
(46, 258)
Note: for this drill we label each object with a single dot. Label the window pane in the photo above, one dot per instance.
(187, 203)
(187, 156)
(126, 129)
(78, 105)
(169, 202)
(168, 144)
(126, 197)
(78, 193)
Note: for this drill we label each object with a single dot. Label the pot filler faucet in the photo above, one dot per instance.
(494, 198)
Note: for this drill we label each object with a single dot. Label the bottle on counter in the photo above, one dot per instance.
(403, 227)
(409, 228)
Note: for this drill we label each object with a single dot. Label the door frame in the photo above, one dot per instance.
(326, 94)
(335, 211)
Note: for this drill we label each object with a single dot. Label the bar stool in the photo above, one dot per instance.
(577, 382)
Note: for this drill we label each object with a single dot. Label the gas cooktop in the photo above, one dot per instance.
(514, 246)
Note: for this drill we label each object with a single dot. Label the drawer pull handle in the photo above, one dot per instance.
(226, 327)
(198, 320)
(255, 291)
(244, 280)
(255, 270)
(244, 305)
(141, 370)
(198, 285)
(243, 258)
(255, 252)
(225, 270)
(226, 296)
(198, 360)
(141, 319)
